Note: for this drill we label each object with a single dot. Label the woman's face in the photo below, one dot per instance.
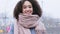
(27, 8)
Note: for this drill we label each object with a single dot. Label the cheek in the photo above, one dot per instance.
(23, 10)
(32, 10)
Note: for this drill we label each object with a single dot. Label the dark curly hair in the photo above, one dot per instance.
(36, 8)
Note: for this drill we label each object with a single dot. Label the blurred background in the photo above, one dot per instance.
(50, 16)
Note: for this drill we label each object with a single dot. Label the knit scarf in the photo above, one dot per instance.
(26, 22)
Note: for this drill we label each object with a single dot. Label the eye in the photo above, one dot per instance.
(30, 6)
(24, 7)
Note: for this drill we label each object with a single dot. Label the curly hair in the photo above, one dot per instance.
(36, 8)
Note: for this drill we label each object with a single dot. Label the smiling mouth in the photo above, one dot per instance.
(28, 13)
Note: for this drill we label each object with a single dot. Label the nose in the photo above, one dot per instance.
(27, 9)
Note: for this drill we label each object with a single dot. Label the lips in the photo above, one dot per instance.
(27, 13)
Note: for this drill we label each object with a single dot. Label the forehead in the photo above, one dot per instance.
(27, 3)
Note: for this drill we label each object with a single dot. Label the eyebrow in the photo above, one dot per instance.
(28, 5)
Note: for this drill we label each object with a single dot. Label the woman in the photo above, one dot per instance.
(27, 13)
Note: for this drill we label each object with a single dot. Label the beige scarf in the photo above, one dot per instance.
(26, 22)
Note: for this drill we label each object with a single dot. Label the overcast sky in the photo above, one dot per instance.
(50, 8)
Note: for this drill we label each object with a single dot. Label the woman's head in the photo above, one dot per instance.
(27, 7)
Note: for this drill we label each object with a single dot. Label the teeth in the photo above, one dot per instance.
(28, 12)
